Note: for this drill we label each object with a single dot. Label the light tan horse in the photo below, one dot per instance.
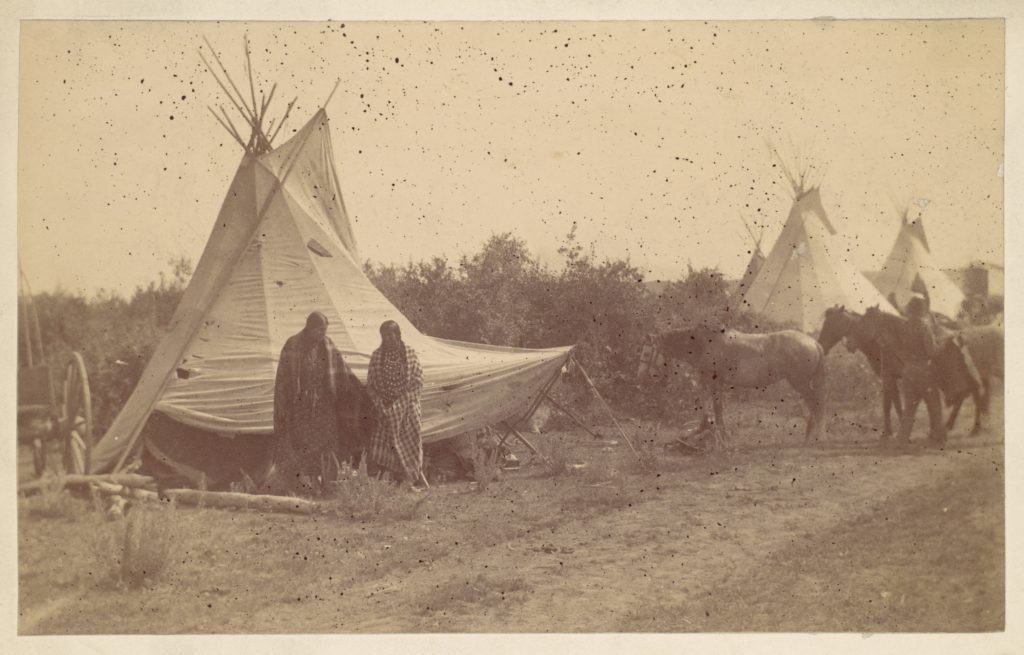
(726, 359)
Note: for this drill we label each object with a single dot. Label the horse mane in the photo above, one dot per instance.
(887, 319)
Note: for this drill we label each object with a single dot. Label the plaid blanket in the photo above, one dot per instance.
(395, 443)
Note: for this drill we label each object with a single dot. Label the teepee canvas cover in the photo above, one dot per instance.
(909, 269)
(282, 247)
(805, 274)
(753, 266)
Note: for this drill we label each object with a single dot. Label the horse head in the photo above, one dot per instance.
(837, 325)
(651, 358)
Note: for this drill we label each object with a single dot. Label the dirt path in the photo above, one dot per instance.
(606, 573)
(769, 537)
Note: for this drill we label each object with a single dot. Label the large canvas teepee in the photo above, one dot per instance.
(909, 269)
(805, 274)
(281, 247)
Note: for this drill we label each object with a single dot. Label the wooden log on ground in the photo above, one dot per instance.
(219, 499)
(124, 479)
(236, 500)
(127, 492)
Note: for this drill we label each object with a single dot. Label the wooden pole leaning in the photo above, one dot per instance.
(510, 430)
(607, 407)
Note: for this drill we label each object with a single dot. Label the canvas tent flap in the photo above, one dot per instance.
(282, 248)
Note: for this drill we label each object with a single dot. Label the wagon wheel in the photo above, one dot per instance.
(77, 417)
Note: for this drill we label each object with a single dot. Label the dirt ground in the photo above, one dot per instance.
(840, 536)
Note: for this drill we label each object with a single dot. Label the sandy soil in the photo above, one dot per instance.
(840, 536)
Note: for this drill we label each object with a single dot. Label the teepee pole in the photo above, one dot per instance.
(223, 88)
(258, 111)
(248, 70)
(331, 94)
(267, 100)
(229, 130)
(283, 119)
(247, 113)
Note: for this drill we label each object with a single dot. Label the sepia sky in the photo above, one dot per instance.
(650, 136)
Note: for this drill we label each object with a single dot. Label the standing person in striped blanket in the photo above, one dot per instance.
(394, 382)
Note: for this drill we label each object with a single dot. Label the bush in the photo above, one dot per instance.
(501, 295)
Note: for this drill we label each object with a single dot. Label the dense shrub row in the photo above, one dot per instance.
(501, 295)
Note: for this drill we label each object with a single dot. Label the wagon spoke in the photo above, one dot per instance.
(71, 408)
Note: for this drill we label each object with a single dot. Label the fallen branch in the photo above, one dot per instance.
(236, 500)
(125, 479)
(220, 499)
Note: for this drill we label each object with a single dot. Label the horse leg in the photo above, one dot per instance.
(813, 392)
(813, 398)
(716, 401)
(887, 406)
(984, 395)
(979, 409)
(954, 412)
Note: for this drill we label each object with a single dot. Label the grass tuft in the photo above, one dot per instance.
(559, 458)
(362, 497)
(134, 551)
(486, 465)
(648, 458)
(53, 501)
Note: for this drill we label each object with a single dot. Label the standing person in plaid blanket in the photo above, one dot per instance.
(394, 382)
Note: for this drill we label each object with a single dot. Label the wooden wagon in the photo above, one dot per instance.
(53, 412)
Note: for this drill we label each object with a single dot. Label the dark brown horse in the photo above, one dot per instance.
(726, 359)
(839, 324)
(964, 363)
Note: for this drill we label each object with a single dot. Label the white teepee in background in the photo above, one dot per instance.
(909, 268)
(806, 272)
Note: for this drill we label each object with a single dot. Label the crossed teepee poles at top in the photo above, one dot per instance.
(261, 139)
